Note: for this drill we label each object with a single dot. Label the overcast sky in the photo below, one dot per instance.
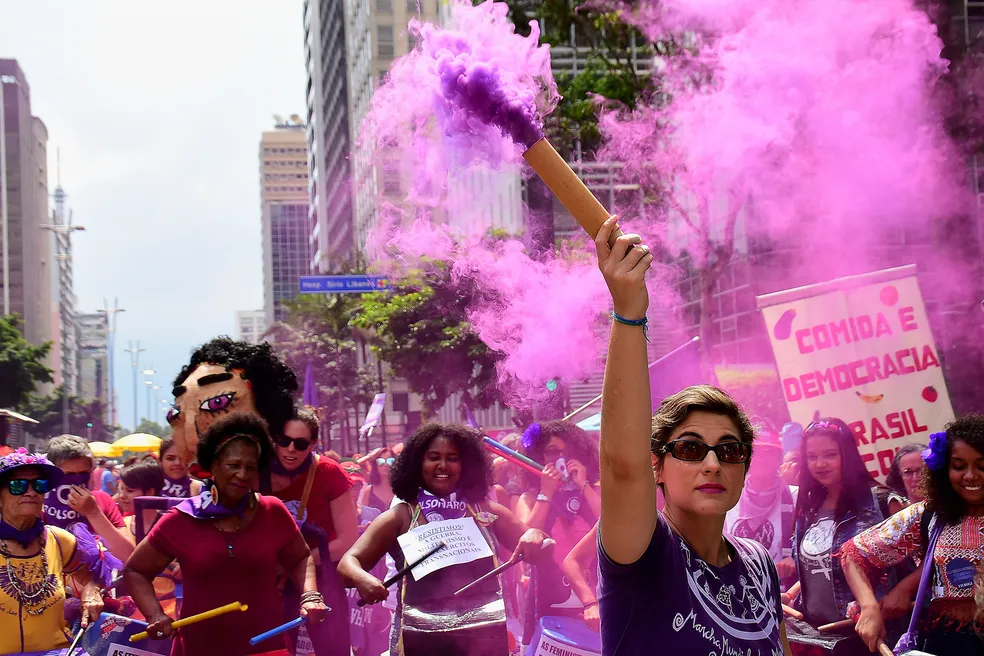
(157, 108)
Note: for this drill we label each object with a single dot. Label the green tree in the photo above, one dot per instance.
(151, 427)
(422, 332)
(47, 410)
(22, 365)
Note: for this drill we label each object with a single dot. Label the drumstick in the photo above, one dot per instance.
(884, 649)
(71, 648)
(502, 448)
(194, 619)
(836, 626)
(515, 461)
(501, 568)
(406, 570)
(283, 628)
(792, 612)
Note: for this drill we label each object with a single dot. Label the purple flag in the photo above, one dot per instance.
(310, 393)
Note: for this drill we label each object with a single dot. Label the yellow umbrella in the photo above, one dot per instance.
(101, 449)
(137, 442)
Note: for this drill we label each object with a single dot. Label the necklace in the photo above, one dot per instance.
(229, 534)
(43, 590)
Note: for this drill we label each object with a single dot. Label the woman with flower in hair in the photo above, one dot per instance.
(949, 526)
(565, 502)
(442, 475)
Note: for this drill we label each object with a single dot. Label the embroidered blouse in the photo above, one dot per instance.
(956, 558)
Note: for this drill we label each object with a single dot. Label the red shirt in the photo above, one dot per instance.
(330, 482)
(213, 578)
(109, 508)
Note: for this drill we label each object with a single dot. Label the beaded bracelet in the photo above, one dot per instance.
(644, 322)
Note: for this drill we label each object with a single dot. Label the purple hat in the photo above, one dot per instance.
(21, 458)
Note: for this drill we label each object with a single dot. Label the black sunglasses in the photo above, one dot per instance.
(18, 486)
(730, 453)
(300, 443)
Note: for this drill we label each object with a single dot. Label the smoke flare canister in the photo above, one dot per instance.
(567, 187)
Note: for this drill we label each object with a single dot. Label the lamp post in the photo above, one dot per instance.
(135, 362)
(111, 313)
(148, 381)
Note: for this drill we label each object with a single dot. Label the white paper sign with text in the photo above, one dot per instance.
(550, 647)
(861, 349)
(463, 538)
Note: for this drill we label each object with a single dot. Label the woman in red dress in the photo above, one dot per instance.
(228, 541)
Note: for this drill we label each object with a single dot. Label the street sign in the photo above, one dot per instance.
(343, 284)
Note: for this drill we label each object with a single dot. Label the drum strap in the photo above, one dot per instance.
(308, 484)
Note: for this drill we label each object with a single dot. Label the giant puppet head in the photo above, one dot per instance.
(226, 376)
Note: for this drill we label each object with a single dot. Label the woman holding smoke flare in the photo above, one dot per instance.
(442, 474)
(672, 578)
(947, 531)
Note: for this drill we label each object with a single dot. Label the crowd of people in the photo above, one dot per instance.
(695, 527)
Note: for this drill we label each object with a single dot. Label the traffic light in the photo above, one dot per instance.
(88, 425)
(552, 385)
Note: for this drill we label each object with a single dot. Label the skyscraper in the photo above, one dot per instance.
(26, 253)
(328, 135)
(93, 382)
(285, 216)
(250, 325)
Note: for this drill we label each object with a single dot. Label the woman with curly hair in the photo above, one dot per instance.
(228, 541)
(565, 502)
(442, 474)
(951, 523)
(226, 376)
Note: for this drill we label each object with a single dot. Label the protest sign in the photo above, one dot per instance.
(463, 538)
(373, 415)
(547, 646)
(860, 348)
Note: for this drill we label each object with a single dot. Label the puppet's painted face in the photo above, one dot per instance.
(210, 392)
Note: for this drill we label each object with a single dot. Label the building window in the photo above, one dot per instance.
(384, 40)
(384, 6)
(414, 6)
(391, 181)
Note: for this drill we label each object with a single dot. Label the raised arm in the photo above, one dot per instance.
(628, 490)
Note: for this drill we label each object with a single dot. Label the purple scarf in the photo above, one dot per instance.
(25, 537)
(177, 488)
(202, 506)
(57, 512)
(437, 509)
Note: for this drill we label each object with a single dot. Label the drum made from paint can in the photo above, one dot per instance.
(564, 636)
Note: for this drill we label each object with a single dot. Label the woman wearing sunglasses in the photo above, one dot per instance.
(316, 491)
(378, 494)
(672, 578)
(34, 559)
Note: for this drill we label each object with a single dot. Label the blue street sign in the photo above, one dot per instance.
(343, 284)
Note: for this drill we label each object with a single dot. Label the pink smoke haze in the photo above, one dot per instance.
(472, 94)
(820, 122)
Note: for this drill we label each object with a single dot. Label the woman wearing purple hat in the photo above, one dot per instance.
(35, 558)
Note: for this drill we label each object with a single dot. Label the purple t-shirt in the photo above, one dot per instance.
(672, 598)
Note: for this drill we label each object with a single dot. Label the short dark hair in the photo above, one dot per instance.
(675, 409)
(144, 475)
(894, 478)
(406, 476)
(936, 488)
(166, 444)
(307, 416)
(856, 480)
(580, 445)
(239, 425)
(273, 383)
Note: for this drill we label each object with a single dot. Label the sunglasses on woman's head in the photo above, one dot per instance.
(300, 443)
(18, 486)
(385, 461)
(730, 453)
